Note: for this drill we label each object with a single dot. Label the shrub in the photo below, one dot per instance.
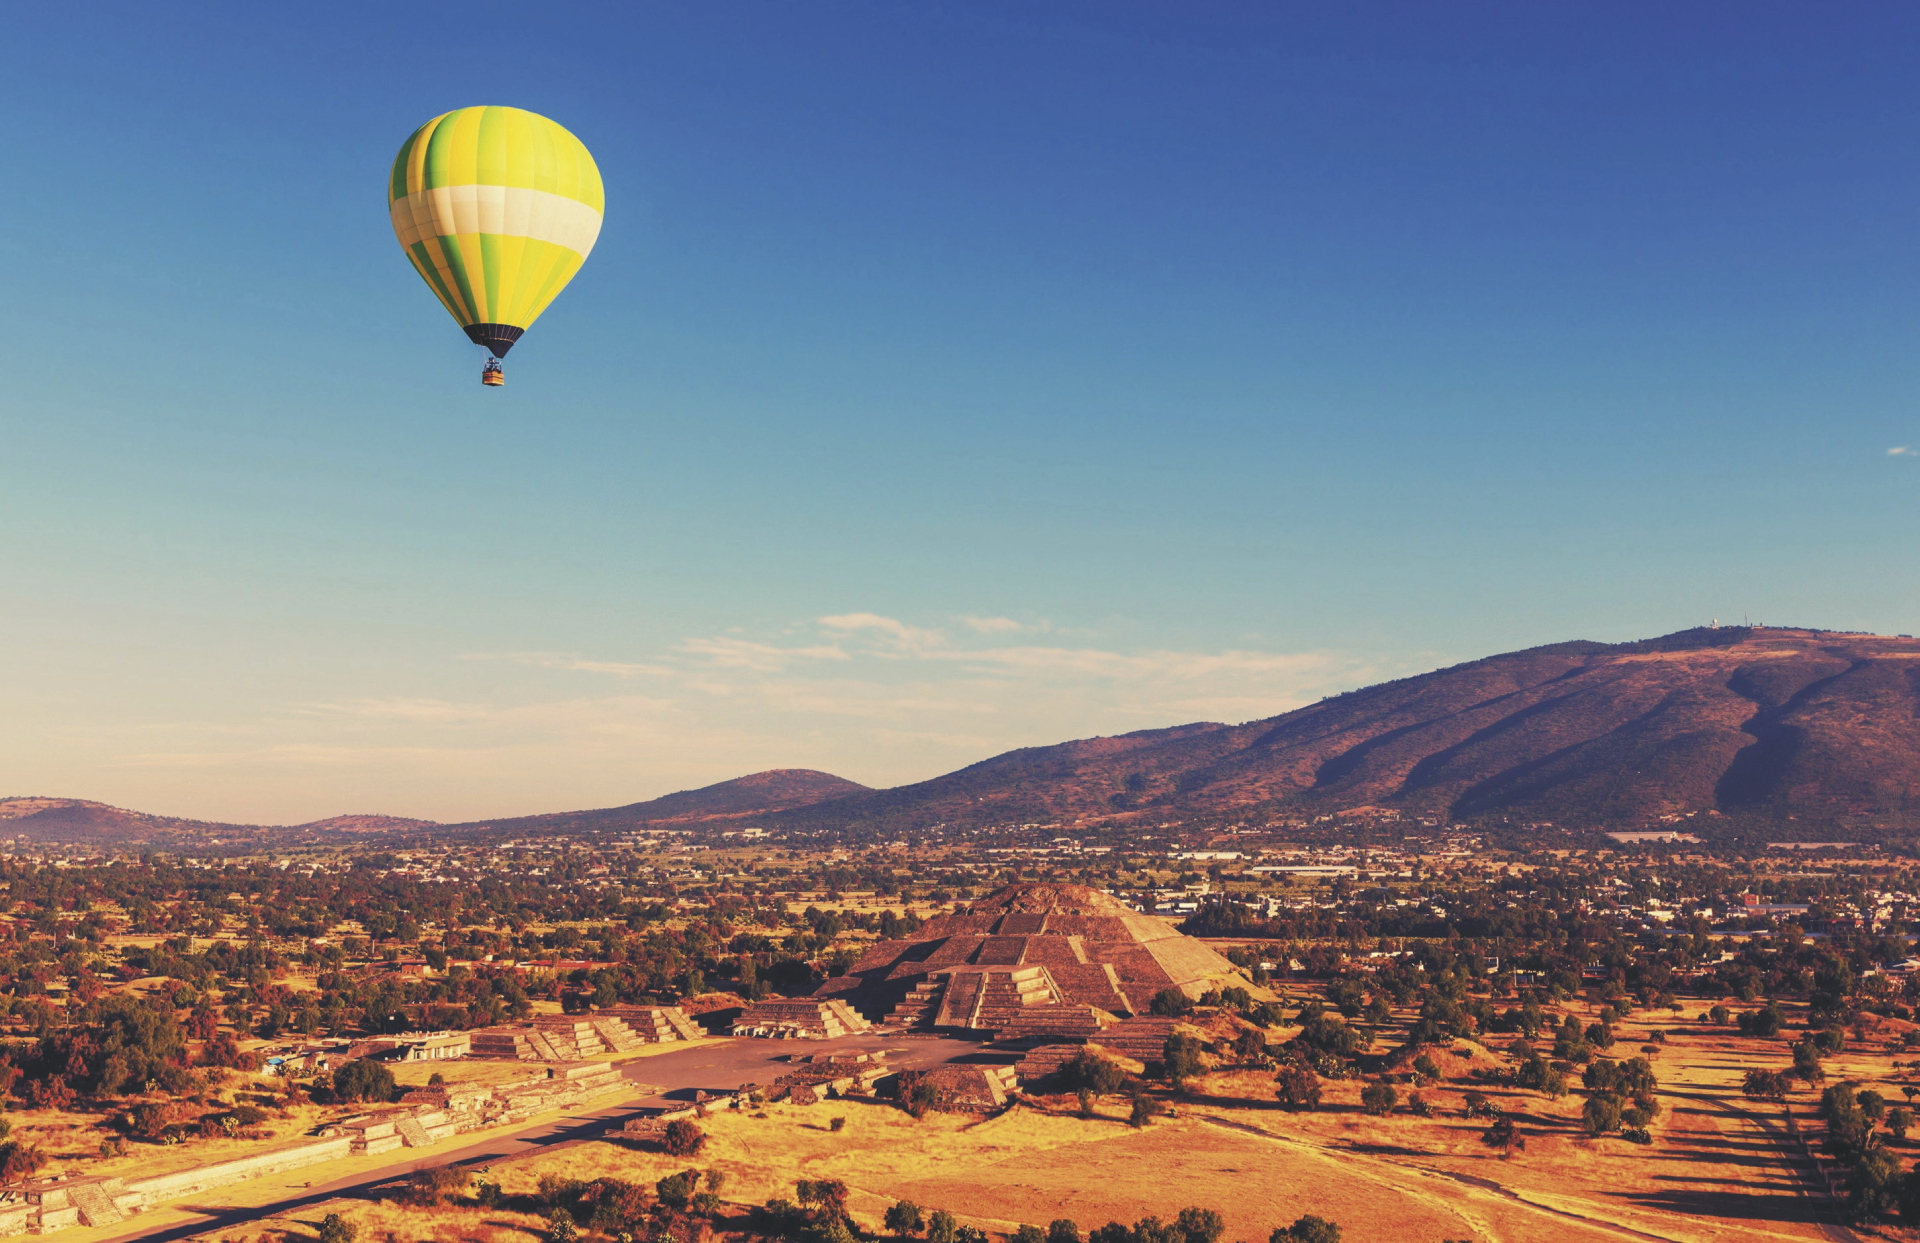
(1199, 1225)
(1141, 1113)
(827, 1196)
(921, 1098)
(837, 1124)
(560, 1228)
(676, 1190)
(1297, 1087)
(1063, 1230)
(1028, 1234)
(1308, 1229)
(1378, 1099)
(905, 1218)
(1181, 1057)
(337, 1229)
(437, 1184)
(942, 1227)
(1504, 1136)
(1766, 1085)
(1171, 1002)
(1426, 1067)
(1089, 1072)
(682, 1138)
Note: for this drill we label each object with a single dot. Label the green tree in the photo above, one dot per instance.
(1087, 1071)
(1171, 1002)
(1378, 1099)
(1307, 1229)
(905, 1219)
(337, 1229)
(1602, 1114)
(1297, 1087)
(1502, 1136)
(1873, 1186)
(364, 1080)
(1181, 1056)
(1063, 1230)
(1200, 1225)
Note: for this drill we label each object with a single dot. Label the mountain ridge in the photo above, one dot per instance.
(1762, 722)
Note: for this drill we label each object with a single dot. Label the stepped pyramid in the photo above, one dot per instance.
(653, 1024)
(805, 1018)
(1033, 959)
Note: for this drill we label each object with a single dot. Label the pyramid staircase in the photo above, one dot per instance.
(567, 1039)
(653, 1024)
(95, 1202)
(1078, 1024)
(1046, 1060)
(919, 1006)
(1143, 1038)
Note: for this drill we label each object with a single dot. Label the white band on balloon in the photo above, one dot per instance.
(510, 211)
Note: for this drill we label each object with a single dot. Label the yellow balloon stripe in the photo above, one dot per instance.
(497, 208)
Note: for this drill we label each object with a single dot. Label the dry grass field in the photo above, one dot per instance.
(1721, 1167)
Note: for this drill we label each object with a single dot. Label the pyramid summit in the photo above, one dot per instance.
(1028, 959)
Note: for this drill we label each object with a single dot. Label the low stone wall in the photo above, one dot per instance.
(220, 1174)
(426, 1116)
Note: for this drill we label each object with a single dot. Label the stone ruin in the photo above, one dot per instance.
(805, 1018)
(428, 1115)
(572, 1038)
(816, 1077)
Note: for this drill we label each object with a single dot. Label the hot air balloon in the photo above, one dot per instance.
(497, 208)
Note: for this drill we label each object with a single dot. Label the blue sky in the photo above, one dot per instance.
(947, 378)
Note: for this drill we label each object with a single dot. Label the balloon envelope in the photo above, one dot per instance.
(497, 208)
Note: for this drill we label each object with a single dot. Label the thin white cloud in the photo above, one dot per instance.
(729, 653)
(1902, 451)
(869, 696)
(570, 663)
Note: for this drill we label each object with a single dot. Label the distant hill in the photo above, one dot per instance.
(1762, 721)
(80, 821)
(775, 790)
(366, 824)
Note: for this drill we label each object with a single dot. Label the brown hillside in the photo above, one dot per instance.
(774, 790)
(1771, 721)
